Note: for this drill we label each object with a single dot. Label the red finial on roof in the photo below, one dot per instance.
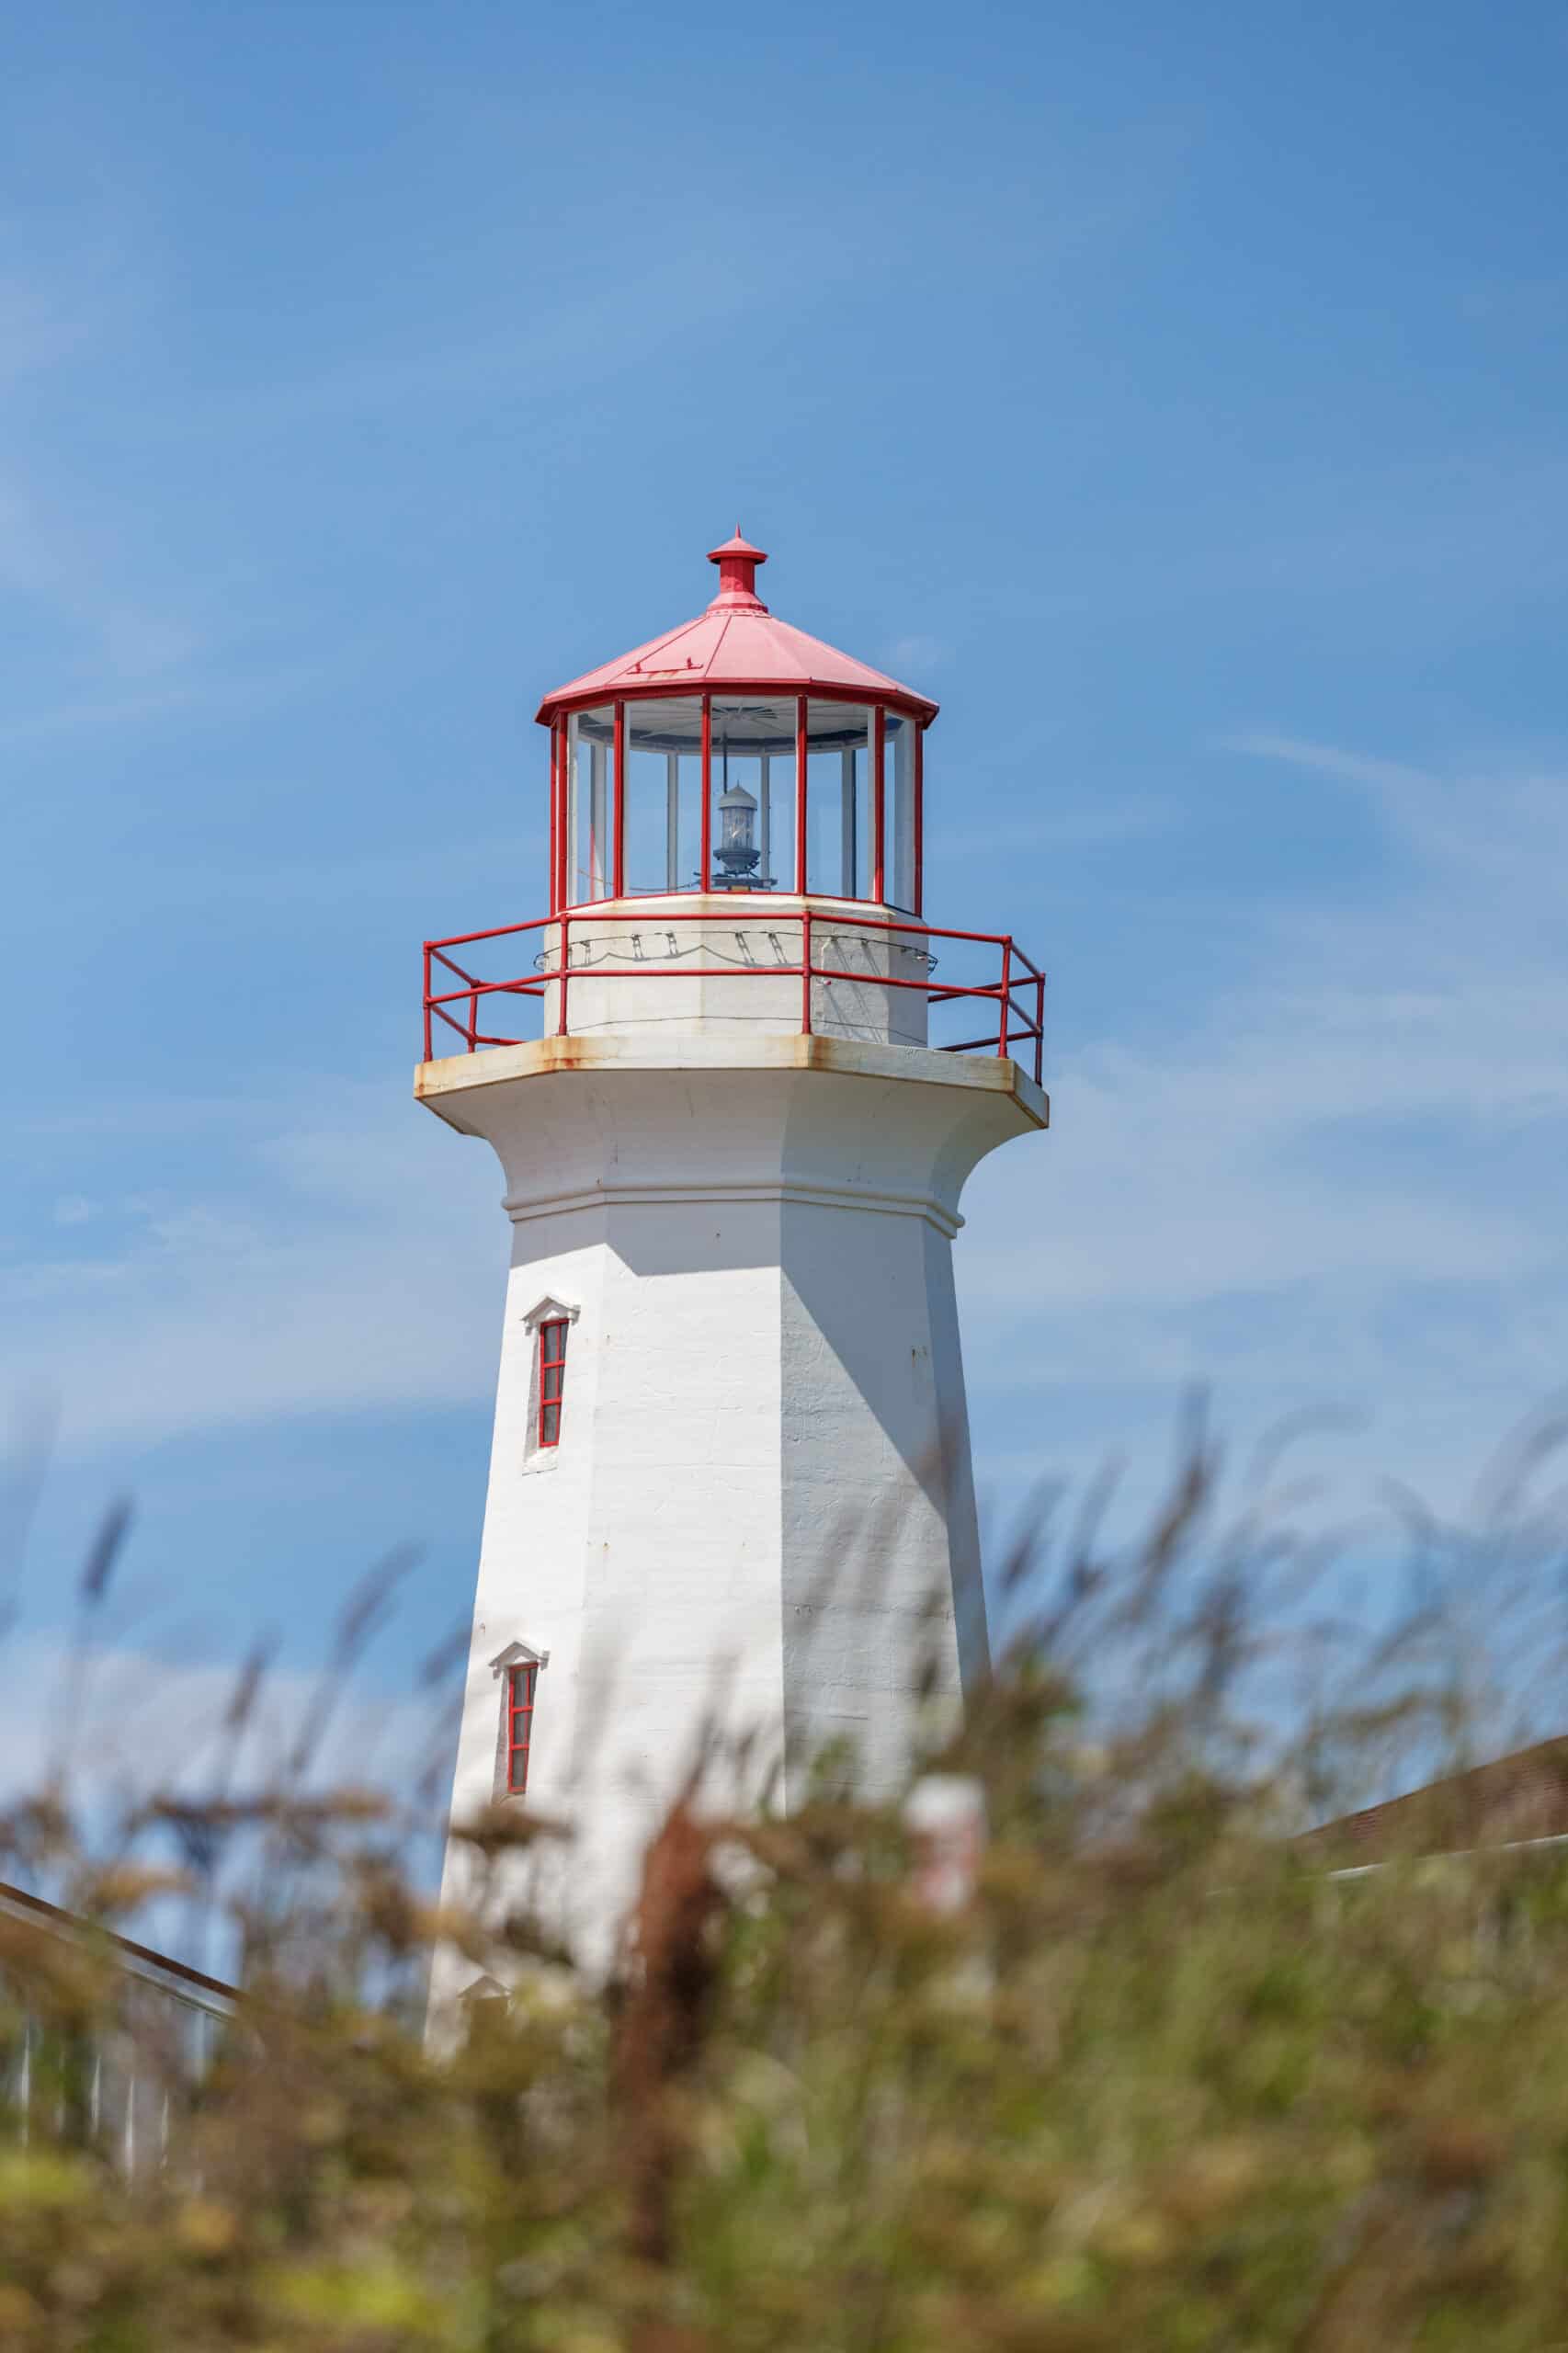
(737, 561)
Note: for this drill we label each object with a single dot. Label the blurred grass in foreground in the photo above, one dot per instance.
(1163, 2081)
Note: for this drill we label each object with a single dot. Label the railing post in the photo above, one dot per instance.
(473, 1020)
(1039, 1030)
(565, 961)
(429, 1042)
(1005, 1022)
(805, 972)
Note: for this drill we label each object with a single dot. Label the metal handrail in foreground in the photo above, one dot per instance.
(1015, 1021)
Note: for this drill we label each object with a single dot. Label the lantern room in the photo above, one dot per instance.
(736, 754)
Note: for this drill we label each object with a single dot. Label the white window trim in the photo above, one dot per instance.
(549, 1311)
(518, 1654)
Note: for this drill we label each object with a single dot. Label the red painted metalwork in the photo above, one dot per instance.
(612, 856)
(736, 643)
(618, 821)
(920, 821)
(552, 1380)
(737, 561)
(565, 843)
(556, 815)
(706, 865)
(801, 794)
(878, 747)
(1013, 1021)
(521, 1682)
(734, 647)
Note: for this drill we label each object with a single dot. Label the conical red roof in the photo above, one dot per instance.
(736, 642)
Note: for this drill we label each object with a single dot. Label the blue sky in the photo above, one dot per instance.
(1175, 394)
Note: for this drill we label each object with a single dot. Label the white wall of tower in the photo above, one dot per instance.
(761, 1509)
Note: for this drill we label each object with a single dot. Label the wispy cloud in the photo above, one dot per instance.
(1456, 535)
(354, 1263)
(150, 1723)
(59, 564)
(1343, 1176)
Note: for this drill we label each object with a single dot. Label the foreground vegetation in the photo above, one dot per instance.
(1162, 2081)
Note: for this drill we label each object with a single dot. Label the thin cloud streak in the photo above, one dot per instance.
(1341, 1185)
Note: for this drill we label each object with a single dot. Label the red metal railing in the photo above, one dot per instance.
(1017, 995)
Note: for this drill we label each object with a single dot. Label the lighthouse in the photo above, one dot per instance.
(735, 1083)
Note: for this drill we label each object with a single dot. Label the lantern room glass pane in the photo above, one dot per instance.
(590, 803)
(898, 809)
(838, 799)
(664, 792)
(753, 784)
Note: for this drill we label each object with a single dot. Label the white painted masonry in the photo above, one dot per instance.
(761, 1510)
(737, 942)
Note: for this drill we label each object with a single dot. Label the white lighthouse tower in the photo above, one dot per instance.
(730, 1485)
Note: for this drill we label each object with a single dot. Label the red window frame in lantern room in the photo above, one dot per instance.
(551, 1378)
(560, 895)
(521, 1682)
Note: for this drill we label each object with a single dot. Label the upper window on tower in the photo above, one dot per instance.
(547, 1324)
(551, 1378)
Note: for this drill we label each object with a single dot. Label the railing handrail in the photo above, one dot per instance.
(791, 911)
(1015, 1021)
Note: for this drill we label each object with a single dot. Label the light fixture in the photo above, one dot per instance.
(738, 852)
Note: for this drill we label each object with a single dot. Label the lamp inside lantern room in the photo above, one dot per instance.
(737, 852)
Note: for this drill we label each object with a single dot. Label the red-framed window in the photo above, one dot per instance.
(552, 1380)
(520, 1682)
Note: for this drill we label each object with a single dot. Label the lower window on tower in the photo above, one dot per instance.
(520, 1682)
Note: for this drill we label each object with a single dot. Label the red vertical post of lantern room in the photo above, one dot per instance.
(920, 818)
(801, 794)
(617, 822)
(705, 853)
(557, 817)
(878, 742)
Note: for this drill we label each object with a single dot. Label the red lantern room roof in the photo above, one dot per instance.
(737, 643)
